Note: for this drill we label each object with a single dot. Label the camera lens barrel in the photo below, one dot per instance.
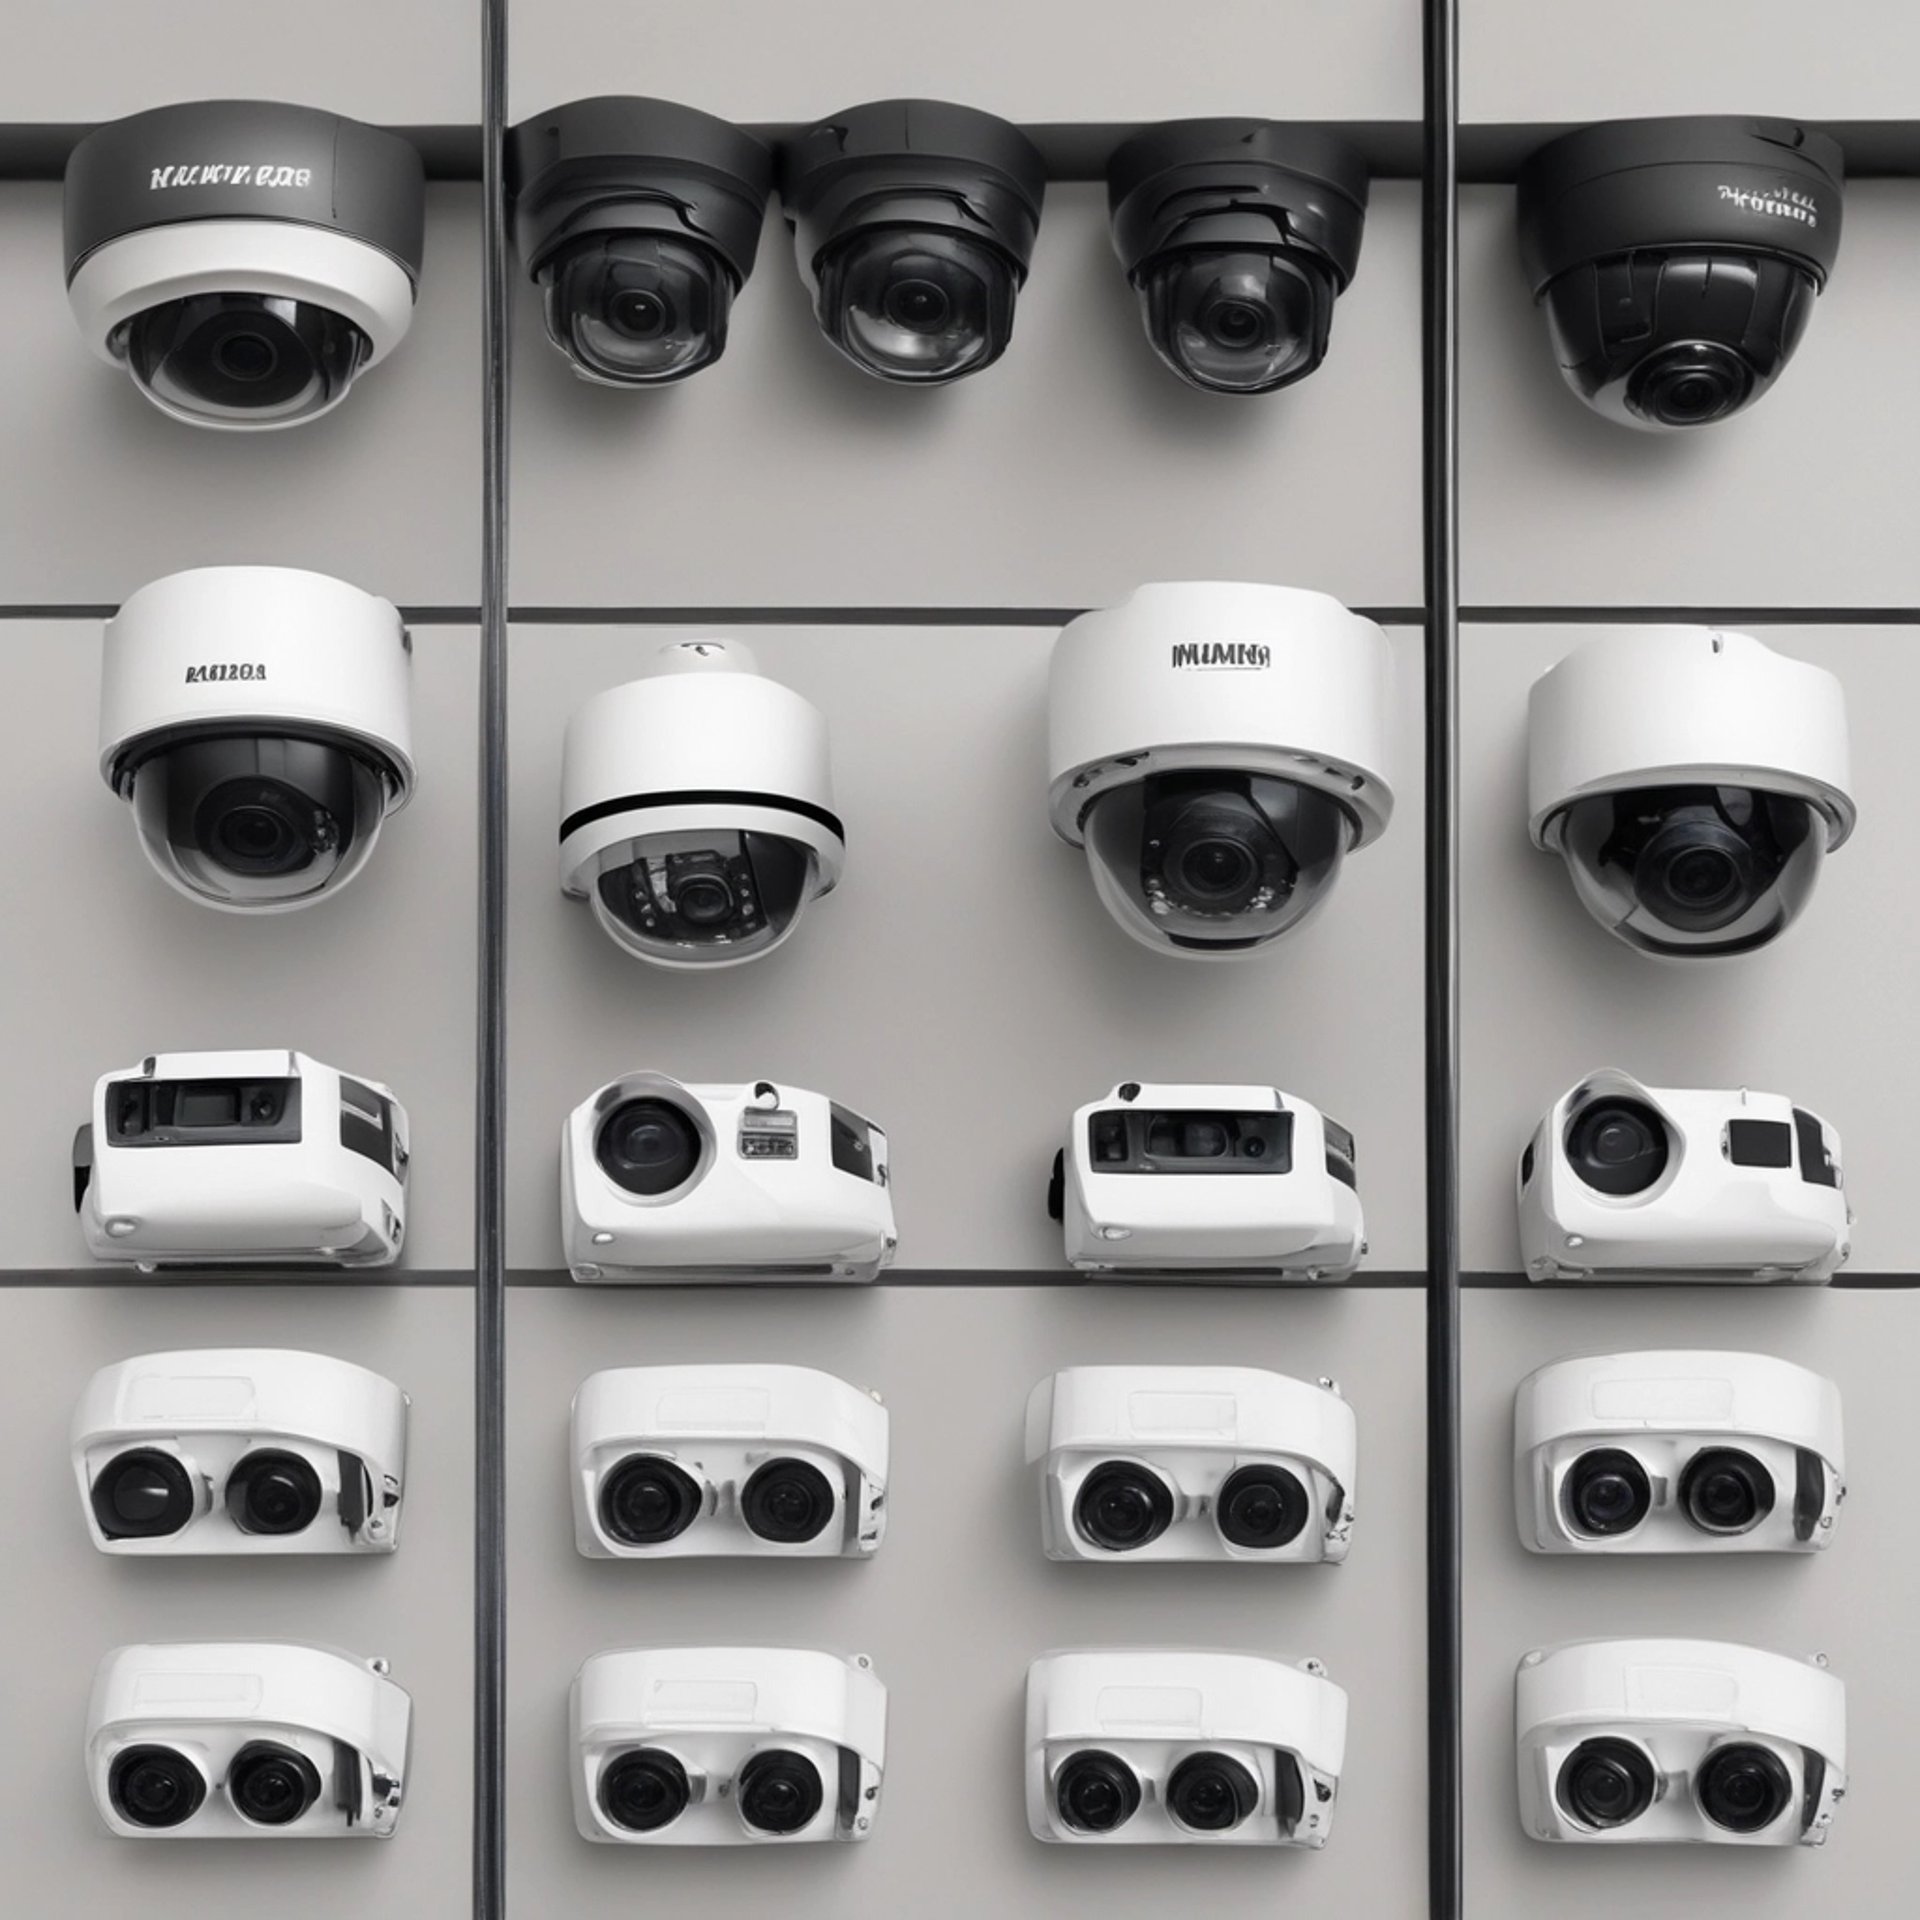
(644, 1790)
(142, 1494)
(1725, 1491)
(647, 1146)
(1096, 1792)
(1262, 1508)
(1122, 1506)
(1618, 1146)
(1212, 1793)
(155, 1787)
(779, 1792)
(271, 1785)
(271, 1491)
(1605, 1783)
(787, 1502)
(1743, 1788)
(646, 1501)
(1607, 1493)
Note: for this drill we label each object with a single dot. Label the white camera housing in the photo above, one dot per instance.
(1677, 1452)
(667, 1182)
(1211, 1181)
(1693, 780)
(184, 1735)
(696, 809)
(674, 1462)
(1660, 1731)
(1218, 748)
(1627, 1182)
(264, 1158)
(1154, 1463)
(258, 720)
(727, 1746)
(1109, 1731)
(240, 1450)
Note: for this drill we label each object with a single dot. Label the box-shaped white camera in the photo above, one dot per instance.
(1626, 1182)
(727, 1746)
(246, 1740)
(1677, 1452)
(660, 1181)
(240, 1450)
(1144, 1746)
(1223, 1182)
(1630, 1742)
(670, 1462)
(1192, 1463)
(263, 1158)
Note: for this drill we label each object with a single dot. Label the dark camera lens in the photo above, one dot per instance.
(787, 1501)
(1262, 1507)
(1211, 1793)
(241, 358)
(245, 356)
(1726, 1491)
(1096, 1792)
(647, 1146)
(1122, 1507)
(263, 827)
(1744, 1789)
(639, 314)
(920, 306)
(779, 1792)
(1238, 322)
(1617, 1146)
(1221, 872)
(704, 899)
(638, 309)
(1202, 1139)
(1690, 384)
(1606, 1782)
(155, 1786)
(646, 1500)
(1696, 873)
(271, 1785)
(644, 1790)
(1233, 324)
(1607, 1492)
(142, 1494)
(273, 1492)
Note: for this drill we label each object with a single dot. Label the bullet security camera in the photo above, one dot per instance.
(639, 220)
(914, 221)
(244, 260)
(1238, 235)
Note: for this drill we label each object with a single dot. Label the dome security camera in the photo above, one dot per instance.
(257, 719)
(696, 809)
(1693, 780)
(639, 219)
(245, 260)
(1679, 260)
(1218, 748)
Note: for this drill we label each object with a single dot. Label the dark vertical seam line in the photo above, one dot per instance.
(1439, 299)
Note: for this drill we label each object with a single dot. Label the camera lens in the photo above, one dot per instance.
(1726, 1491)
(1220, 874)
(1607, 1493)
(1096, 1792)
(637, 309)
(244, 356)
(1233, 324)
(1617, 1147)
(1744, 1789)
(1211, 1793)
(644, 1790)
(1262, 1507)
(271, 1785)
(787, 1502)
(1605, 1783)
(142, 1494)
(273, 1492)
(779, 1792)
(704, 899)
(155, 1787)
(263, 827)
(920, 306)
(647, 1146)
(1122, 1507)
(638, 314)
(242, 359)
(1690, 384)
(1238, 322)
(646, 1500)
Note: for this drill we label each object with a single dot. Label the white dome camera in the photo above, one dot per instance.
(1693, 781)
(1632, 1742)
(1635, 1453)
(696, 809)
(1218, 749)
(244, 260)
(257, 718)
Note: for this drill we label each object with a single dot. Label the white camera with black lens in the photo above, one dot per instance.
(1677, 1452)
(672, 1462)
(1146, 1746)
(1158, 1463)
(258, 720)
(1218, 749)
(266, 1158)
(1626, 1182)
(727, 1746)
(240, 1450)
(696, 809)
(246, 1740)
(1636, 1742)
(1693, 781)
(244, 260)
(1215, 1182)
(660, 1181)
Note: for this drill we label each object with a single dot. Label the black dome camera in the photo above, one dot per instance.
(1679, 260)
(1238, 235)
(639, 219)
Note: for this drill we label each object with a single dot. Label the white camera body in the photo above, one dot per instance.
(1677, 1452)
(1206, 1463)
(1218, 748)
(669, 1182)
(703, 1724)
(240, 1450)
(1212, 1182)
(675, 1462)
(1627, 1182)
(246, 1740)
(1109, 1731)
(258, 719)
(696, 809)
(265, 1158)
(1666, 1716)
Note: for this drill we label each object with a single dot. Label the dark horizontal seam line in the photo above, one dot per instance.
(66, 1277)
(700, 797)
(959, 1277)
(1845, 1282)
